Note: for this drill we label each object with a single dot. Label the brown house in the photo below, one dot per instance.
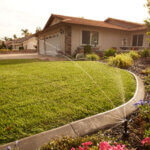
(69, 34)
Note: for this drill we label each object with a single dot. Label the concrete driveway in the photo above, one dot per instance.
(19, 56)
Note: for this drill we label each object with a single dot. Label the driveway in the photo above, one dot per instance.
(18, 56)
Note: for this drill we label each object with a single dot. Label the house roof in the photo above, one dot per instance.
(20, 40)
(124, 21)
(104, 24)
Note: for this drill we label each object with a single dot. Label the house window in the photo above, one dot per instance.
(85, 37)
(137, 40)
(89, 37)
(124, 42)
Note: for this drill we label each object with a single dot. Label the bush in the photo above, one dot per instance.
(21, 48)
(147, 83)
(87, 49)
(110, 52)
(121, 61)
(145, 53)
(4, 50)
(146, 71)
(66, 143)
(92, 57)
(134, 54)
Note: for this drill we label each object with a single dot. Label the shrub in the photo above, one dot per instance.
(4, 50)
(110, 52)
(134, 54)
(87, 49)
(121, 61)
(146, 71)
(66, 143)
(21, 48)
(145, 53)
(147, 83)
(92, 57)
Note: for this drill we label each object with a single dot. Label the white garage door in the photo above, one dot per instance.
(53, 44)
(41, 47)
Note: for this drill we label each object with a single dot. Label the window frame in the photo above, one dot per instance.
(90, 37)
(138, 41)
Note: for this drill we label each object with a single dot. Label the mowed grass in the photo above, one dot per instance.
(36, 96)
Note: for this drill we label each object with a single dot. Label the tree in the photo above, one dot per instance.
(25, 32)
(147, 22)
(6, 38)
(15, 36)
(38, 29)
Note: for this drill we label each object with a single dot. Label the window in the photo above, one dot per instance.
(85, 37)
(89, 37)
(137, 40)
(124, 42)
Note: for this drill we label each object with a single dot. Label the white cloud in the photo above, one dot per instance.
(18, 14)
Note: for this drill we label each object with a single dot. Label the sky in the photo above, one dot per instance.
(29, 14)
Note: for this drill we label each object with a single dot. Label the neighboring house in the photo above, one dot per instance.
(27, 43)
(8, 44)
(1, 42)
(30, 43)
(69, 34)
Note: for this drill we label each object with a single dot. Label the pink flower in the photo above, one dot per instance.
(73, 148)
(87, 143)
(107, 146)
(146, 141)
(80, 148)
(104, 146)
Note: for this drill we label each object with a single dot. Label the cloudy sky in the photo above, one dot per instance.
(29, 14)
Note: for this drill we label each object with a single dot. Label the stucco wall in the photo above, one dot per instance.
(30, 43)
(107, 37)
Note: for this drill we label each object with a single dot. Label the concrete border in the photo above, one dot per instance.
(84, 126)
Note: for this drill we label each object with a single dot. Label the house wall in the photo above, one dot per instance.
(107, 37)
(16, 46)
(30, 43)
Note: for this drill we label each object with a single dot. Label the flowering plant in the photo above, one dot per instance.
(141, 102)
(102, 146)
(146, 141)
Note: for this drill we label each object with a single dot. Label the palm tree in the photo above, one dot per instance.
(6, 38)
(38, 29)
(25, 32)
(15, 36)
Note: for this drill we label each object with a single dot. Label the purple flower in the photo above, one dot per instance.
(141, 102)
(148, 102)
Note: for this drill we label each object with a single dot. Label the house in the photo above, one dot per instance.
(69, 34)
(26, 43)
(1, 42)
(30, 43)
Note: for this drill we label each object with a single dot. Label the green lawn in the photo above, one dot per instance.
(36, 96)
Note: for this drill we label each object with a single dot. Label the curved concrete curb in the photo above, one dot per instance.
(84, 126)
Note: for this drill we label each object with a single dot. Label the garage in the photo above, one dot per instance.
(52, 44)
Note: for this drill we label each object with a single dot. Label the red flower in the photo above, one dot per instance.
(146, 141)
